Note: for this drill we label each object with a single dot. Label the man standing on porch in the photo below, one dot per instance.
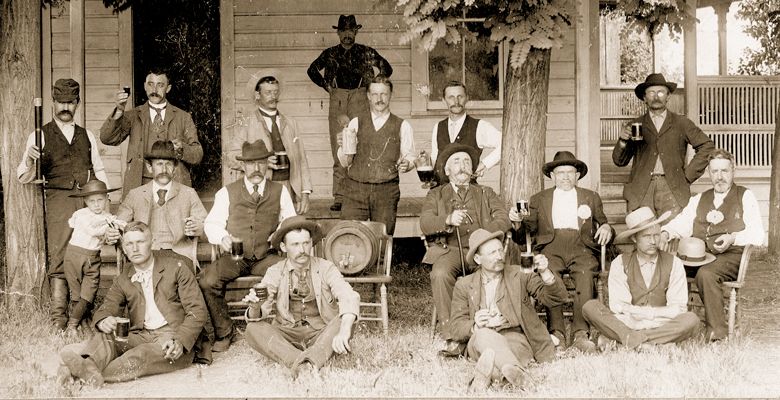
(385, 147)
(659, 177)
(348, 69)
(155, 120)
(461, 128)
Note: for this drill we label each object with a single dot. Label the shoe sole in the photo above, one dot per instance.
(79, 368)
(482, 371)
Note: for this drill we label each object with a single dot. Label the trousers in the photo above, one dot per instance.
(659, 197)
(675, 330)
(371, 201)
(511, 347)
(59, 208)
(709, 279)
(351, 103)
(82, 271)
(291, 345)
(444, 273)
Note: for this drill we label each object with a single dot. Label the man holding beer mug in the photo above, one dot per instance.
(166, 314)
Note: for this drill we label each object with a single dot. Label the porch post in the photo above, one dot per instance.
(722, 10)
(588, 105)
(77, 54)
(689, 70)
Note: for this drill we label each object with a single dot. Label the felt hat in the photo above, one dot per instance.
(161, 150)
(347, 22)
(95, 186)
(65, 90)
(254, 151)
(653, 80)
(640, 219)
(693, 252)
(444, 155)
(257, 76)
(565, 158)
(478, 238)
(293, 223)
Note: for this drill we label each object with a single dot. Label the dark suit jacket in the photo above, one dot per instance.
(670, 144)
(514, 302)
(540, 223)
(134, 123)
(176, 294)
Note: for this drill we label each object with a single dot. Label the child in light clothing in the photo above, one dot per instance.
(82, 256)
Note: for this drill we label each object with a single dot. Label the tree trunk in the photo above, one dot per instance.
(20, 71)
(774, 195)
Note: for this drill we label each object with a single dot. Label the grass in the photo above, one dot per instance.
(405, 363)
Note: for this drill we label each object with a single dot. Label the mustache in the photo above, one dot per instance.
(154, 94)
(65, 112)
(161, 174)
(256, 173)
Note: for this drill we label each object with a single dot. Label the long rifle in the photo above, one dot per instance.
(39, 179)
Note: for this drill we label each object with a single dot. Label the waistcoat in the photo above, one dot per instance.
(162, 237)
(467, 134)
(66, 164)
(731, 210)
(377, 151)
(253, 222)
(655, 295)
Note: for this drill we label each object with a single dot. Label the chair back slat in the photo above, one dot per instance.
(743, 263)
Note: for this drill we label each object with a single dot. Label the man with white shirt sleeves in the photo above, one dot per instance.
(248, 210)
(69, 159)
(461, 128)
(648, 292)
(726, 218)
(385, 147)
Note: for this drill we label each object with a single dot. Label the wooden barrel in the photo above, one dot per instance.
(352, 246)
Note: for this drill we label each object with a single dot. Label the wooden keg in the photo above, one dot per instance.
(352, 246)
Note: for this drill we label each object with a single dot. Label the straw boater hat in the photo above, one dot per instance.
(254, 151)
(565, 158)
(640, 219)
(65, 90)
(95, 186)
(478, 238)
(293, 223)
(653, 80)
(257, 76)
(161, 150)
(347, 22)
(445, 155)
(692, 251)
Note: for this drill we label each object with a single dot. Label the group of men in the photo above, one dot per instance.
(485, 314)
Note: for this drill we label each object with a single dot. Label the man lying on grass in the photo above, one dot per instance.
(491, 311)
(648, 292)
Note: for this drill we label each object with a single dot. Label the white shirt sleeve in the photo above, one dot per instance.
(24, 172)
(489, 137)
(754, 228)
(97, 162)
(677, 293)
(434, 143)
(286, 206)
(216, 221)
(682, 224)
(407, 142)
(619, 293)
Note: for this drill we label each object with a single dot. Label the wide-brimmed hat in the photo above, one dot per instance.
(478, 238)
(161, 150)
(65, 90)
(565, 158)
(95, 186)
(640, 219)
(693, 252)
(293, 223)
(444, 155)
(254, 151)
(347, 22)
(653, 80)
(257, 76)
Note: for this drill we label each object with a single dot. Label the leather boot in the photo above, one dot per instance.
(59, 302)
(77, 313)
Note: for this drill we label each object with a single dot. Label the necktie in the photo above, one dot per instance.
(158, 119)
(161, 197)
(302, 288)
(255, 193)
(462, 189)
(275, 133)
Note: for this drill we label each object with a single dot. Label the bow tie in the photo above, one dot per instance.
(141, 276)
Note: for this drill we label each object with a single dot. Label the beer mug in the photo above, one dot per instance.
(349, 141)
(636, 132)
(282, 161)
(527, 262)
(122, 329)
(424, 167)
(522, 208)
(237, 249)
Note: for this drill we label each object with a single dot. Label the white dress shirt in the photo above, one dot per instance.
(216, 221)
(407, 138)
(682, 224)
(156, 188)
(25, 172)
(153, 318)
(269, 121)
(564, 209)
(487, 137)
(88, 228)
(153, 113)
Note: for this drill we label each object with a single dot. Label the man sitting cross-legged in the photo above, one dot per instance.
(491, 310)
(310, 309)
(648, 292)
(166, 312)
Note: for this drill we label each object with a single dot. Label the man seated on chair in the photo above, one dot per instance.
(491, 311)
(726, 218)
(172, 210)
(247, 210)
(310, 308)
(569, 226)
(456, 207)
(648, 292)
(166, 312)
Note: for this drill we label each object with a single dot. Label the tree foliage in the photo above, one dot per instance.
(655, 15)
(764, 17)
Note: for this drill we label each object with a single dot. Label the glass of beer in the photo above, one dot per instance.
(424, 167)
(122, 329)
(522, 208)
(237, 248)
(282, 161)
(349, 141)
(527, 262)
(126, 89)
(636, 132)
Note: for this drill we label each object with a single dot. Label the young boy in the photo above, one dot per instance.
(82, 256)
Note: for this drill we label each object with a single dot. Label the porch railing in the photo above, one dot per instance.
(619, 105)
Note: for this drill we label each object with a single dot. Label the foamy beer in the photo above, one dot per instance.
(237, 248)
(282, 161)
(349, 141)
(527, 261)
(122, 329)
(425, 173)
(636, 131)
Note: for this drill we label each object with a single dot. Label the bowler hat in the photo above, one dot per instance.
(692, 252)
(251, 84)
(161, 150)
(640, 219)
(254, 151)
(444, 155)
(95, 186)
(65, 90)
(347, 22)
(293, 223)
(653, 80)
(565, 158)
(478, 238)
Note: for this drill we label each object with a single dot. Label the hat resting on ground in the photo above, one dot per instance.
(640, 219)
(444, 155)
(257, 76)
(653, 80)
(293, 223)
(565, 158)
(254, 151)
(95, 186)
(161, 150)
(693, 252)
(347, 22)
(478, 238)
(65, 90)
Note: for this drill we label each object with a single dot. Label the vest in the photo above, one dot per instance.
(731, 210)
(377, 151)
(162, 237)
(277, 145)
(253, 222)
(467, 134)
(466, 227)
(641, 295)
(64, 164)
